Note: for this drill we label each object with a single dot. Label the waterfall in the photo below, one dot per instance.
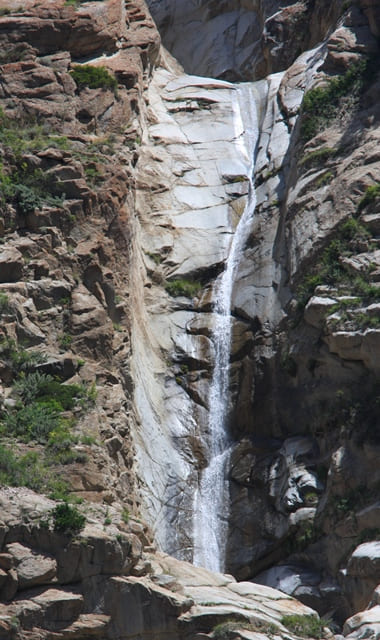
(211, 500)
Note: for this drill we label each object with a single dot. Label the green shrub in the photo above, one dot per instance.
(228, 630)
(59, 490)
(64, 394)
(304, 626)
(4, 302)
(371, 194)
(33, 471)
(29, 386)
(25, 134)
(30, 189)
(65, 341)
(32, 422)
(125, 515)
(93, 77)
(18, 358)
(68, 519)
(183, 287)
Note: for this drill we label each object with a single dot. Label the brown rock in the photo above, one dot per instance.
(59, 607)
(6, 561)
(11, 265)
(10, 586)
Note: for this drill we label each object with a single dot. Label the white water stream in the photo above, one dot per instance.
(211, 500)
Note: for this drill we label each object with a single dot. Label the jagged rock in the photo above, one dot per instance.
(10, 585)
(46, 292)
(363, 625)
(365, 561)
(87, 312)
(32, 569)
(316, 310)
(11, 265)
(351, 345)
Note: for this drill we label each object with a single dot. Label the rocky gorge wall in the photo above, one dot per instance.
(304, 367)
(111, 278)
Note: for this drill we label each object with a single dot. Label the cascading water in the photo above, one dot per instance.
(211, 499)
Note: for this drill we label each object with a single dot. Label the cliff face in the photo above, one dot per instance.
(304, 371)
(121, 189)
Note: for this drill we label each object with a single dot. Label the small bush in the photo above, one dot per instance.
(19, 359)
(227, 630)
(68, 519)
(183, 287)
(32, 422)
(4, 303)
(30, 189)
(64, 394)
(93, 77)
(372, 193)
(29, 386)
(125, 515)
(304, 626)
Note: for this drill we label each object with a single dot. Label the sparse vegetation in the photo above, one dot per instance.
(227, 630)
(330, 271)
(324, 179)
(17, 358)
(39, 416)
(322, 104)
(156, 257)
(31, 470)
(29, 189)
(304, 626)
(317, 157)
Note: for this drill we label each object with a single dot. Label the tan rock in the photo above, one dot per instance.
(59, 607)
(31, 568)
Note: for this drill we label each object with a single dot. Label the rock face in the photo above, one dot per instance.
(297, 375)
(192, 173)
(239, 40)
(118, 204)
(101, 584)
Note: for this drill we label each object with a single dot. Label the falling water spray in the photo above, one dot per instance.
(211, 501)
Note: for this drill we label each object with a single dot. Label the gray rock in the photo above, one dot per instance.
(365, 561)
